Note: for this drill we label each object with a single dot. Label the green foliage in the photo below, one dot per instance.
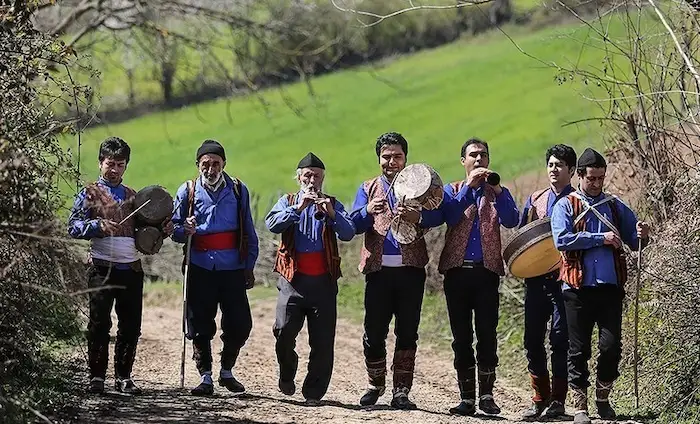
(482, 87)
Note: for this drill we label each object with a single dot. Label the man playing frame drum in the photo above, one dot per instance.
(309, 266)
(589, 228)
(543, 297)
(472, 264)
(215, 210)
(100, 214)
(394, 274)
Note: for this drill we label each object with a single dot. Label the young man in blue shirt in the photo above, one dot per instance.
(589, 228)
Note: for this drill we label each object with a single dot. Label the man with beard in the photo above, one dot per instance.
(309, 265)
(589, 228)
(215, 210)
(472, 264)
(115, 274)
(394, 274)
(543, 297)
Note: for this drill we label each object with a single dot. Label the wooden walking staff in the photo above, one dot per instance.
(184, 310)
(636, 324)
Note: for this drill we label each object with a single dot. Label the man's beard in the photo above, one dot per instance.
(210, 180)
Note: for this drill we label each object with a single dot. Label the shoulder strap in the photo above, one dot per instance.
(236, 188)
(190, 197)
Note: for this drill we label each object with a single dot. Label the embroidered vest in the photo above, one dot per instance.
(457, 237)
(102, 205)
(571, 271)
(538, 205)
(286, 264)
(414, 254)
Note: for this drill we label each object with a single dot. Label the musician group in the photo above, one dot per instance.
(212, 219)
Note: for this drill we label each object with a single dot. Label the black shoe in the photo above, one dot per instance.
(127, 386)
(465, 408)
(232, 385)
(203, 389)
(581, 418)
(555, 410)
(488, 405)
(96, 385)
(371, 396)
(400, 400)
(312, 402)
(605, 410)
(534, 411)
(287, 387)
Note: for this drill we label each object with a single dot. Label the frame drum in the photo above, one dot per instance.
(418, 184)
(530, 252)
(158, 209)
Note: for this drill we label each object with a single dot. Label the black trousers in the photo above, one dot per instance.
(544, 301)
(472, 292)
(392, 292)
(312, 298)
(586, 307)
(206, 291)
(125, 295)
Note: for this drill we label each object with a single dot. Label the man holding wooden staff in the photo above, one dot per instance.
(309, 266)
(103, 214)
(472, 264)
(214, 210)
(543, 298)
(394, 274)
(589, 228)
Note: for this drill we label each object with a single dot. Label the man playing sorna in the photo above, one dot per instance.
(394, 274)
(309, 265)
(543, 297)
(114, 261)
(215, 210)
(589, 228)
(472, 264)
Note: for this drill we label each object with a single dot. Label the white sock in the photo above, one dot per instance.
(206, 378)
(225, 373)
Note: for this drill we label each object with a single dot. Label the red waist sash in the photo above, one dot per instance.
(215, 241)
(311, 263)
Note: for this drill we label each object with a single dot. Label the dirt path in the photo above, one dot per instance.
(157, 372)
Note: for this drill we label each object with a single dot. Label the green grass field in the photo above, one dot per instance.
(482, 87)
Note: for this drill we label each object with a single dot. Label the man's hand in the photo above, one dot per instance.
(249, 278)
(477, 176)
(326, 206)
(376, 206)
(306, 200)
(168, 227)
(409, 214)
(643, 230)
(612, 239)
(190, 226)
(108, 227)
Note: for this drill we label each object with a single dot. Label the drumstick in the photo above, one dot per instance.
(132, 213)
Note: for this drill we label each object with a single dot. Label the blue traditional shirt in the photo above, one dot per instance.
(598, 261)
(454, 211)
(308, 230)
(552, 198)
(217, 212)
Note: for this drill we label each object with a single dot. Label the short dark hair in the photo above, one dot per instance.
(391, 138)
(562, 152)
(114, 148)
(471, 141)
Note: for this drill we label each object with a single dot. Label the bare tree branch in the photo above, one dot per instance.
(379, 17)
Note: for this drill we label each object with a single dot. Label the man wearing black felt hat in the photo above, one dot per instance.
(589, 227)
(308, 262)
(214, 209)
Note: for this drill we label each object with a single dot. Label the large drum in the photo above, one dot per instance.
(418, 184)
(158, 209)
(148, 240)
(530, 252)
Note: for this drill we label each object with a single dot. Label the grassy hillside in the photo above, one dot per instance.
(482, 87)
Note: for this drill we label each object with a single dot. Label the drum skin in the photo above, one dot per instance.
(158, 209)
(419, 184)
(148, 240)
(530, 252)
